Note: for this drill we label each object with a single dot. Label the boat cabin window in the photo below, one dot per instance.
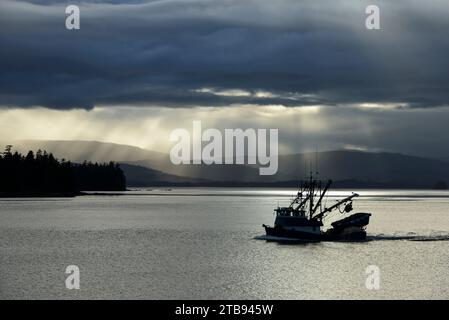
(288, 212)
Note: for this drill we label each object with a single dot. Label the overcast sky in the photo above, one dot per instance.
(137, 69)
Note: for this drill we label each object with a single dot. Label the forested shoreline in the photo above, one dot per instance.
(41, 173)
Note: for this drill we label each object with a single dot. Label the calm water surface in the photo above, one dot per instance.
(205, 244)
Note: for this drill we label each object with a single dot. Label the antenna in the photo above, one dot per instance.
(305, 170)
(311, 169)
(316, 163)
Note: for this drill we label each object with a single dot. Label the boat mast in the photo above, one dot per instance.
(312, 191)
(322, 195)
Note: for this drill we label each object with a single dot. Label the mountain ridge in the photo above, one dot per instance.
(350, 167)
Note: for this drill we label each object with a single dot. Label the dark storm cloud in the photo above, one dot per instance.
(165, 52)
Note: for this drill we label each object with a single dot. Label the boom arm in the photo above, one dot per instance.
(320, 215)
(303, 202)
(298, 196)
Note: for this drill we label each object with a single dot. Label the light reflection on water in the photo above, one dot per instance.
(287, 192)
(171, 244)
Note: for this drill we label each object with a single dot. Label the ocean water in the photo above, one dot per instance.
(208, 244)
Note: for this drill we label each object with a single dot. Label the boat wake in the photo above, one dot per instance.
(411, 236)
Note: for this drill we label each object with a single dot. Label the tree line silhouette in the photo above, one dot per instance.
(43, 173)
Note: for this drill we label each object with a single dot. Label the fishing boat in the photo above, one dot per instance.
(303, 219)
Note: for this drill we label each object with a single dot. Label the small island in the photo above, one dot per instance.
(40, 174)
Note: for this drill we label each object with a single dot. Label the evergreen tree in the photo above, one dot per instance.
(44, 173)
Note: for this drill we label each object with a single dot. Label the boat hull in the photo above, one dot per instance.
(292, 234)
(354, 235)
(351, 228)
